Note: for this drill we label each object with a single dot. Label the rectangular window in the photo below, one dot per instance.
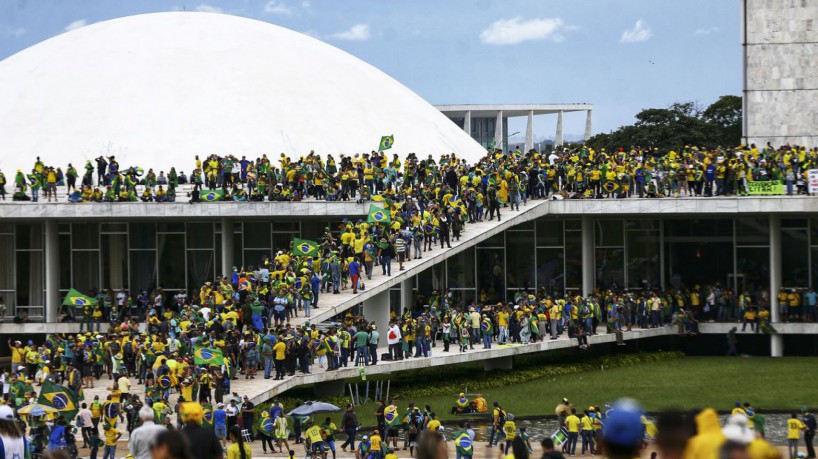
(85, 269)
(549, 232)
(171, 253)
(30, 278)
(200, 268)
(142, 236)
(461, 269)
(29, 236)
(7, 262)
(794, 257)
(521, 264)
(643, 259)
(609, 233)
(573, 260)
(491, 274)
(114, 261)
(551, 270)
(257, 235)
(200, 235)
(610, 268)
(142, 270)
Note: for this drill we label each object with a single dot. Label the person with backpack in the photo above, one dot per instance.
(498, 420)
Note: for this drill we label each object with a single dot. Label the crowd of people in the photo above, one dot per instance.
(567, 171)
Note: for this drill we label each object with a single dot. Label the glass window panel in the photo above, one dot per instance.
(794, 223)
(700, 228)
(609, 233)
(142, 270)
(292, 227)
(794, 258)
(253, 257)
(29, 278)
(529, 225)
(610, 268)
(498, 240)
(549, 232)
(461, 269)
(64, 228)
(573, 260)
(238, 251)
(521, 264)
(85, 270)
(218, 254)
(551, 270)
(642, 224)
(257, 235)
(171, 253)
(170, 227)
(752, 231)
(200, 235)
(431, 279)
(65, 258)
(200, 268)
(142, 236)
(752, 271)
(691, 262)
(282, 241)
(313, 229)
(573, 225)
(29, 236)
(6, 228)
(114, 227)
(84, 236)
(114, 261)
(7, 262)
(643, 259)
(491, 274)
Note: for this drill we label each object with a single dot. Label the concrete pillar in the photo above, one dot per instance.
(529, 132)
(588, 126)
(227, 247)
(52, 272)
(376, 309)
(499, 363)
(558, 136)
(498, 131)
(467, 123)
(407, 295)
(331, 388)
(587, 255)
(776, 340)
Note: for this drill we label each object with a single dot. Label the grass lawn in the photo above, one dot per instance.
(783, 383)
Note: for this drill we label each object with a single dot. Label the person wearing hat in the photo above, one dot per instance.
(624, 432)
(12, 438)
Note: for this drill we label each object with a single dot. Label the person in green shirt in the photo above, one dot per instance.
(361, 347)
(759, 422)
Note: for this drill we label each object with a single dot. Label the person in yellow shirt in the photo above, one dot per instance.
(238, 449)
(572, 423)
(433, 423)
(313, 434)
(375, 445)
(111, 438)
(587, 426)
(794, 428)
(510, 429)
(280, 354)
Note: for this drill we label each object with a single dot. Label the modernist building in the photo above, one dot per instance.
(488, 123)
(780, 83)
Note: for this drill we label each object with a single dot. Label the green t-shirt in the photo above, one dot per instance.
(361, 339)
(759, 421)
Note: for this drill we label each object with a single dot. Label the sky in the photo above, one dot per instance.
(619, 55)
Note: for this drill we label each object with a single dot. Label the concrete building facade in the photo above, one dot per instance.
(780, 78)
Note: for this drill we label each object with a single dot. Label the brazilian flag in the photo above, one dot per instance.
(212, 195)
(75, 298)
(207, 416)
(377, 215)
(207, 356)
(110, 412)
(304, 248)
(610, 186)
(386, 142)
(61, 398)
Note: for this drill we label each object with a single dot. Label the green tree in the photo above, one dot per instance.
(725, 114)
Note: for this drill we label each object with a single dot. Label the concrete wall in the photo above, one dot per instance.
(781, 80)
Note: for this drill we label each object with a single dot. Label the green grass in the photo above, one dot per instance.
(690, 382)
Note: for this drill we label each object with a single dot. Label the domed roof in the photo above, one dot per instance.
(156, 89)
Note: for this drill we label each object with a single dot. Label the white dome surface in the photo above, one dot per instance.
(156, 89)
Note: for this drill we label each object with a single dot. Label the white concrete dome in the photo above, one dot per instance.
(156, 89)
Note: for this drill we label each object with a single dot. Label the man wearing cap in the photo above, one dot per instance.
(624, 432)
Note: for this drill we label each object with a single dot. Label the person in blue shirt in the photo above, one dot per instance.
(220, 424)
(355, 273)
(315, 284)
(810, 301)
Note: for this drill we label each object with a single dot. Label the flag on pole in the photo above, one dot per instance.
(75, 298)
(377, 215)
(212, 195)
(60, 398)
(304, 248)
(386, 142)
(207, 356)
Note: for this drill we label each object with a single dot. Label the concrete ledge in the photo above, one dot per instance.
(35, 328)
(781, 327)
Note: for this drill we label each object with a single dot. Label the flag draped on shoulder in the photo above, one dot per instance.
(378, 215)
(211, 195)
(60, 398)
(386, 142)
(75, 298)
(304, 248)
(207, 356)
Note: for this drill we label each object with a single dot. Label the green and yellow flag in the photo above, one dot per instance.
(60, 398)
(386, 142)
(211, 195)
(304, 248)
(377, 215)
(207, 416)
(207, 356)
(75, 298)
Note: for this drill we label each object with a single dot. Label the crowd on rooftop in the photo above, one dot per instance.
(567, 171)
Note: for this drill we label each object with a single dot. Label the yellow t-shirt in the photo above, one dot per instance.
(586, 422)
(433, 425)
(510, 429)
(17, 355)
(375, 442)
(794, 427)
(233, 451)
(572, 422)
(279, 349)
(110, 436)
(314, 434)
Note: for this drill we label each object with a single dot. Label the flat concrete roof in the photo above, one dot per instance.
(510, 110)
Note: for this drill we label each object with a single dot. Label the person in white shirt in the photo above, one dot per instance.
(87, 424)
(393, 339)
(143, 436)
(12, 440)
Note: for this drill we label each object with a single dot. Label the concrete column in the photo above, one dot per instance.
(529, 132)
(376, 309)
(558, 137)
(406, 294)
(52, 272)
(498, 131)
(587, 255)
(588, 125)
(467, 123)
(227, 247)
(499, 363)
(776, 340)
